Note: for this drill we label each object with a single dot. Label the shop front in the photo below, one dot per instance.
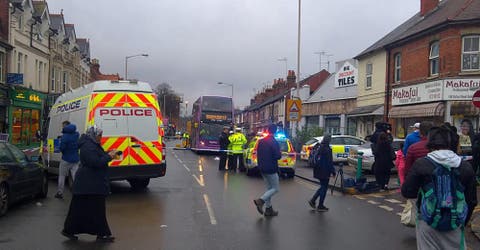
(440, 101)
(361, 120)
(25, 116)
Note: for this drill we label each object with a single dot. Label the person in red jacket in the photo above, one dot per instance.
(419, 149)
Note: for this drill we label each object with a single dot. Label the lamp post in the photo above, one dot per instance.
(126, 63)
(284, 59)
(298, 57)
(186, 108)
(228, 84)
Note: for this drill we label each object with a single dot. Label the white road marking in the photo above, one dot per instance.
(179, 160)
(376, 195)
(307, 185)
(210, 210)
(403, 205)
(185, 166)
(373, 202)
(200, 181)
(389, 209)
(360, 197)
(399, 214)
(393, 201)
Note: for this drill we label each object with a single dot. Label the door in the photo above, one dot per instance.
(145, 143)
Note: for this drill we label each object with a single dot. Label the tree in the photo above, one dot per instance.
(304, 135)
(169, 102)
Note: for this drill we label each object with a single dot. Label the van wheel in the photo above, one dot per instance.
(4, 199)
(139, 183)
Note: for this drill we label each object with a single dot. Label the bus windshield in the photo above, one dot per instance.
(210, 131)
(216, 103)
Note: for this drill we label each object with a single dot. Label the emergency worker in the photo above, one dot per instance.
(186, 139)
(238, 140)
(223, 142)
(230, 153)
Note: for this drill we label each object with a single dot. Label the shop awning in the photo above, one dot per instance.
(370, 110)
(420, 110)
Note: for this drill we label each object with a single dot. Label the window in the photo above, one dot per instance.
(398, 67)
(434, 58)
(471, 53)
(2, 68)
(40, 75)
(369, 72)
(65, 81)
(19, 63)
(20, 23)
(52, 84)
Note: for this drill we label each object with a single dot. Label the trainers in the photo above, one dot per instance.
(59, 196)
(69, 236)
(322, 209)
(105, 238)
(311, 203)
(270, 212)
(259, 204)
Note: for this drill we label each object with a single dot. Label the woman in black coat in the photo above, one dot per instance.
(384, 157)
(322, 170)
(91, 186)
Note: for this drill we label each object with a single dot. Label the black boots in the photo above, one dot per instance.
(270, 212)
(259, 204)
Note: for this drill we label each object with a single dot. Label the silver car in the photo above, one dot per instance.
(367, 157)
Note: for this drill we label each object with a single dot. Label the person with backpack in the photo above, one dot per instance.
(445, 186)
(322, 170)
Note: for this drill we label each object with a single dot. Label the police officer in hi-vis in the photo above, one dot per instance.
(237, 140)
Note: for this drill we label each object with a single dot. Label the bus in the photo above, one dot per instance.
(209, 115)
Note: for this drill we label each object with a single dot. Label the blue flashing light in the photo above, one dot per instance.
(280, 136)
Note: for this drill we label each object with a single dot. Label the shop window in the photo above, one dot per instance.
(332, 126)
(369, 72)
(398, 67)
(434, 58)
(25, 124)
(471, 53)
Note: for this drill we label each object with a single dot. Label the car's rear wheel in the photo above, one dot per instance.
(4, 199)
(44, 189)
(139, 184)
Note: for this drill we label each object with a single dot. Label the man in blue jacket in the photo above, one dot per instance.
(412, 138)
(70, 157)
(268, 153)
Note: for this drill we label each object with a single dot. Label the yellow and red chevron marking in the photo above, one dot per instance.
(117, 143)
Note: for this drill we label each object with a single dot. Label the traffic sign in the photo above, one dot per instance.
(294, 110)
(476, 99)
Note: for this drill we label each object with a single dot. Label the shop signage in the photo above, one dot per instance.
(14, 78)
(346, 76)
(424, 92)
(26, 95)
(460, 89)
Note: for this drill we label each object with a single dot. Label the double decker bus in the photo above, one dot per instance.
(209, 115)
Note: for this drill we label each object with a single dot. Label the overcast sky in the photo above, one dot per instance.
(193, 44)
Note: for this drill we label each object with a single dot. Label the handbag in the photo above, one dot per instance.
(408, 216)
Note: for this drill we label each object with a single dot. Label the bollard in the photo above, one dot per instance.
(359, 165)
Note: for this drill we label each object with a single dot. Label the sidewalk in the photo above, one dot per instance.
(306, 173)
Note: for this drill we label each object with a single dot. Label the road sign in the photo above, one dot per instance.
(294, 110)
(476, 99)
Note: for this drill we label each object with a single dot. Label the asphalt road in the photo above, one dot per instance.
(197, 207)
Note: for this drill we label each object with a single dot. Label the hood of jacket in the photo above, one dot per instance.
(445, 157)
(69, 129)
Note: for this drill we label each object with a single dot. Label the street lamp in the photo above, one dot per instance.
(186, 108)
(284, 59)
(126, 63)
(228, 84)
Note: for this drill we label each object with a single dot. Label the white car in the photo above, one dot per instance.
(340, 145)
(367, 157)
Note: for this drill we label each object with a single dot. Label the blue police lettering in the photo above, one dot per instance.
(69, 106)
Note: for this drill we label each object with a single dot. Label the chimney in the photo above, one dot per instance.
(291, 79)
(427, 5)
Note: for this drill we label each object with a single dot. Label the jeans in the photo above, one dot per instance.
(66, 169)
(321, 192)
(271, 183)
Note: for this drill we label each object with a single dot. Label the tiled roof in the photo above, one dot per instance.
(69, 29)
(447, 11)
(39, 8)
(84, 46)
(56, 20)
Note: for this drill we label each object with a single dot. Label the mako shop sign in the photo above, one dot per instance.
(441, 90)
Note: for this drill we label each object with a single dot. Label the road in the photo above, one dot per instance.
(197, 207)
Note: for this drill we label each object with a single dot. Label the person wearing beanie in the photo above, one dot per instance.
(323, 169)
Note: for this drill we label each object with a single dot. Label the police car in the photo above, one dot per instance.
(286, 164)
(340, 145)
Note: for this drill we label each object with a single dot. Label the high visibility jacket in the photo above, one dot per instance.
(186, 136)
(237, 140)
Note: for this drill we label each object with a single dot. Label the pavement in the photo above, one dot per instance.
(304, 172)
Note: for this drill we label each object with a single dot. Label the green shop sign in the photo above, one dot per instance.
(26, 95)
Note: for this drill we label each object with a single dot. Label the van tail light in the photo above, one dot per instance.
(163, 152)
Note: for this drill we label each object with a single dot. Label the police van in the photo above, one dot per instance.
(129, 115)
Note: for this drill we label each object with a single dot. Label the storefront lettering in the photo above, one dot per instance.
(69, 106)
(405, 93)
(346, 81)
(347, 76)
(456, 84)
(126, 112)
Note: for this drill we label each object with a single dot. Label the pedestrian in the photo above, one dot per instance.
(476, 155)
(223, 142)
(268, 153)
(452, 176)
(417, 150)
(323, 169)
(238, 140)
(400, 163)
(383, 163)
(87, 209)
(456, 138)
(70, 159)
(412, 138)
(231, 166)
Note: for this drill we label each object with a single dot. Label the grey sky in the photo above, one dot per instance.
(193, 44)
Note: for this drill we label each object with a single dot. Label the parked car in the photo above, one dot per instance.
(367, 157)
(340, 145)
(286, 164)
(20, 177)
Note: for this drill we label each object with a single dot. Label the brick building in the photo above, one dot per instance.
(433, 65)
